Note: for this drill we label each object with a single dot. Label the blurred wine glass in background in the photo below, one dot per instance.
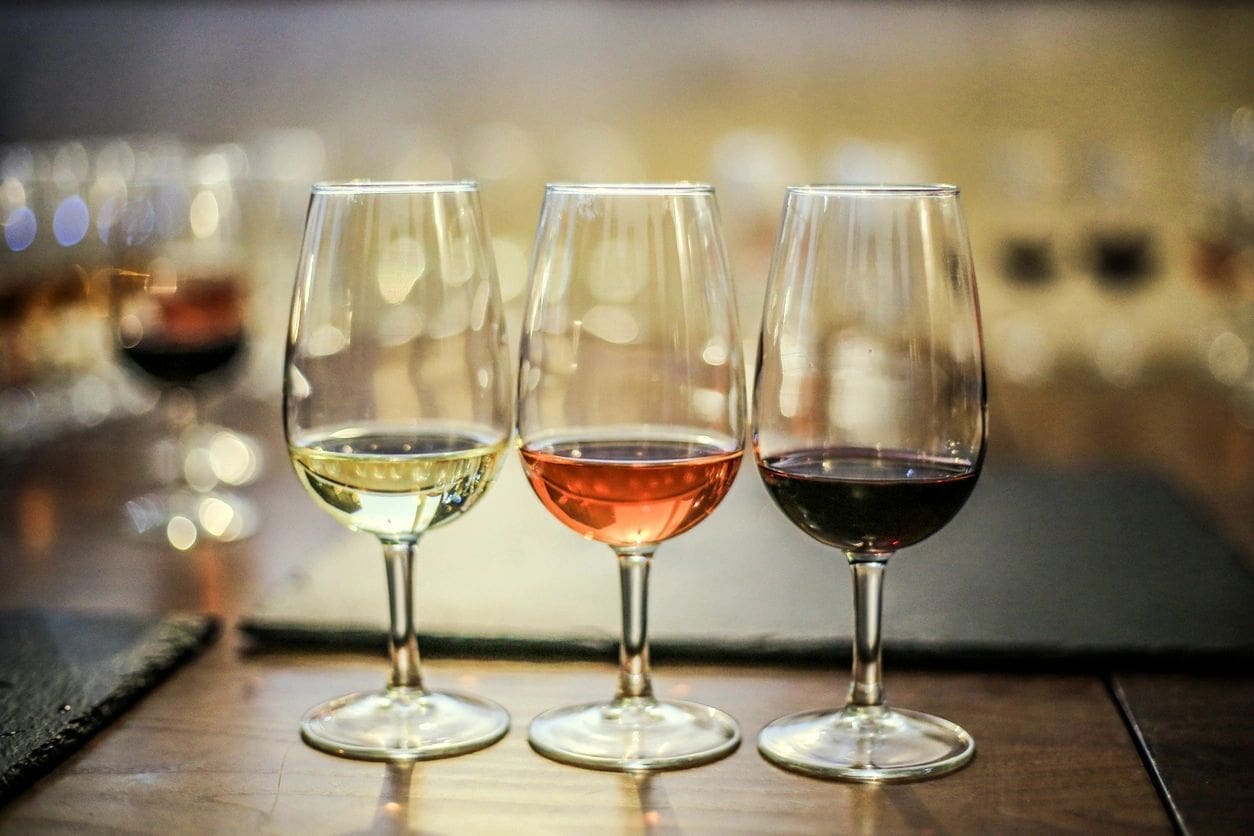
(178, 292)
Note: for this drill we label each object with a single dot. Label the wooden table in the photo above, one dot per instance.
(215, 747)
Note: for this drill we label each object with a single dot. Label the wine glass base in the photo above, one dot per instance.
(184, 518)
(403, 724)
(866, 744)
(635, 734)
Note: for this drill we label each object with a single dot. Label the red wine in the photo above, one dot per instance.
(867, 501)
(179, 364)
(185, 332)
(628, 493)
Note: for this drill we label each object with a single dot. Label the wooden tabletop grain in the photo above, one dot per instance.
(215, 748)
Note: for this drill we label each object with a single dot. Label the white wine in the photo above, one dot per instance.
(395, 485)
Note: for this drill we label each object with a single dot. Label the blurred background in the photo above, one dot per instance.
(1105, 152)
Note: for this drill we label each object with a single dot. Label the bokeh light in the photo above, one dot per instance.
(20, 229)
(71, 221)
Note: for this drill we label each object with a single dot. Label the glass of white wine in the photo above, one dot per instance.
(398, 407)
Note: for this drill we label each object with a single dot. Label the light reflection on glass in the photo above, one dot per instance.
(511, 267)
(708, 403)
(608, 280)
(612, 323)
(452, 318)
(715, 352)
(400, 265)
(457, 262)
(325, 341)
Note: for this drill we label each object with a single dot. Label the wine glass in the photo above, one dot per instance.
(868, 428)
(631, 412)
(178, 297)
(397, 411)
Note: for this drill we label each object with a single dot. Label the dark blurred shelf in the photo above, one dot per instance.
(1173, 422)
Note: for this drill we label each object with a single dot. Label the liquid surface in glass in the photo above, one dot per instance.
(396, 484)
(628, 492)
(867, 501)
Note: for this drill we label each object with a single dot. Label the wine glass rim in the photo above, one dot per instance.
(394, 186)
(877, 189)
(628, 189)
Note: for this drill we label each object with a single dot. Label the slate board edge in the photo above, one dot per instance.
(176, 638)
(268, 636)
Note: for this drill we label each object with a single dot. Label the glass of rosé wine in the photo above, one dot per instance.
(631, 416)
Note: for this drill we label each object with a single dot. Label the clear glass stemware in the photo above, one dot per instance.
(178, 293)
(631, 409)
(398, 409)
(868, 427)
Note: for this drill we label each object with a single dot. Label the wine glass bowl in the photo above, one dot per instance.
(180, 329)
(178, 294)
(631, 410)
(869, 424)
(397, 413)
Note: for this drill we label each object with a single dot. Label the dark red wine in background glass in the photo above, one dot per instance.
(187, 332)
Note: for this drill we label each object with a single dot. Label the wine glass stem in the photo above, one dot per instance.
(865, 687)
(633, 653)
(402, 638)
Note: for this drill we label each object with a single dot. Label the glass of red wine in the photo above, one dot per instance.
(868, 429)
(631, 413)
(178, 304)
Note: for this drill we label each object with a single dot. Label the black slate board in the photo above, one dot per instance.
(65, 675)
(1196, 735)
(1042, 569)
